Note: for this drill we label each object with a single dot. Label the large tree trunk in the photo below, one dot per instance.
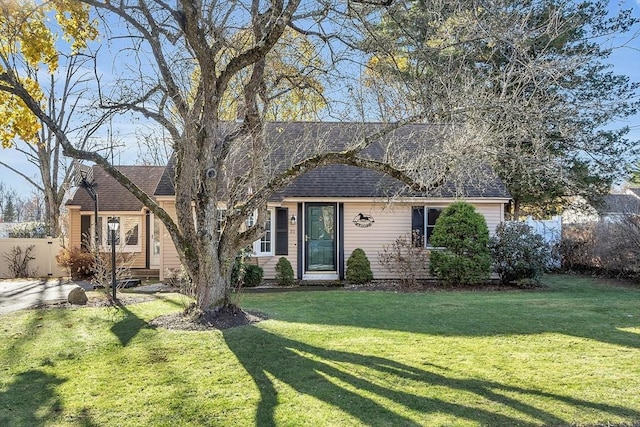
(213, 285)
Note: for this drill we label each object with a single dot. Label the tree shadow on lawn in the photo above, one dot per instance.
(128, 327)
(131, 324)
(312, 371)
(31, 400)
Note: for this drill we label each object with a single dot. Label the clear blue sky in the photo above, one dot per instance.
(625, 60)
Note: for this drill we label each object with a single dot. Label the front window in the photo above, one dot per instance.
(264, 246)
(221, 215)
(127, 237)
(432, 216)
(265, 241)
(423, 221)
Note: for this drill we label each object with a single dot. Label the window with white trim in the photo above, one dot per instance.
(127, 236)
(423, 221)
(264, 246)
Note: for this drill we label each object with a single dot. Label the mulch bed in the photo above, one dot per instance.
(223, 318)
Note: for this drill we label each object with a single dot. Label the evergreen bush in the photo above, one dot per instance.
(518, 253)
(245, 274)
(463, 235)
(284, 273)
(358, 267)
(252, 275)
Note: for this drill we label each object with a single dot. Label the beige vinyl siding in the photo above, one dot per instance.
(268, 263)
(74, 226)
(390, 222)
(169, 259)
(140, 260)
(75, 232)
(493, 213)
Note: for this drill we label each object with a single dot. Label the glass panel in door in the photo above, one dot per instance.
(154, 261)
(320, 237)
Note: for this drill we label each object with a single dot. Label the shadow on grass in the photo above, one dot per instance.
(327, 375)
(31, 400)
(128, 327)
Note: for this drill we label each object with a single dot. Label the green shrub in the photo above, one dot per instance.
(245, 274)
(518, 253)
(253, 275)
(284, 273)
(463, 234)
(358, 267)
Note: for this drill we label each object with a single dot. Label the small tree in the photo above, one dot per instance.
(404, 259)
(464, 235)
(358, 267)
(518, 253)
(18, 261)
(284, 272)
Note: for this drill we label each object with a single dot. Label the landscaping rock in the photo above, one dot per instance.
(77, 296)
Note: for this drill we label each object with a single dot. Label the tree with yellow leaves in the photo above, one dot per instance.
(31, 52)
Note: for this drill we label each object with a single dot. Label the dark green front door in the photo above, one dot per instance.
(320, 237)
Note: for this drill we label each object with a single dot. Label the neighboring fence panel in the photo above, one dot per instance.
(551, 231)
(44, 252)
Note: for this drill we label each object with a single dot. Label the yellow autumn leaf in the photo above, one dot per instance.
(29, 33)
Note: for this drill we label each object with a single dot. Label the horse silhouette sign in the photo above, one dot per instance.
(363, 220)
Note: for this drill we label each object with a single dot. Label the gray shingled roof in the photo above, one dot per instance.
(349, 181)
(635, 191)
(619, 204)
(114, 197)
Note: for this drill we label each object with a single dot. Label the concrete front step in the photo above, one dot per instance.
(144, 273)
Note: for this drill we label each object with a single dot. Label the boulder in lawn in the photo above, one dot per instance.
(77, 296)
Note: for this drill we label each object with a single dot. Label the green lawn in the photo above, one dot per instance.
(566, 355)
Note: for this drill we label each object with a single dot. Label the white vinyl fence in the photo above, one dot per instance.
(551, 232)
(44, 251)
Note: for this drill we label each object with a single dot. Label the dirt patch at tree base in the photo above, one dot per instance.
(221, 319)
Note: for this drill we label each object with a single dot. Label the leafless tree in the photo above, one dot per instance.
(215, 163)
(67, 97)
